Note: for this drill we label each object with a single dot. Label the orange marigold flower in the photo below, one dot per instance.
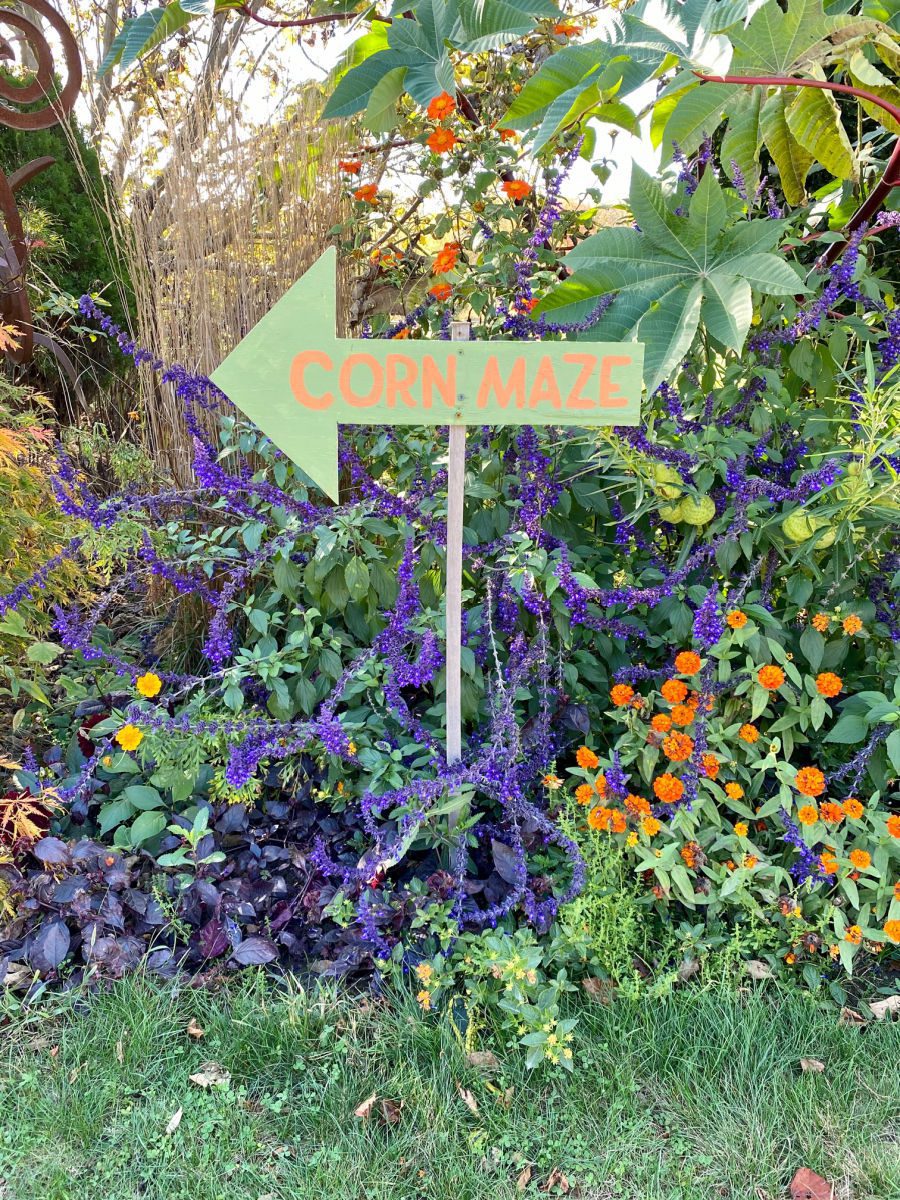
(441, 140)
(807, 814)
(600, 785)
(851, 624)
(897, 890)
(566, 29)
(622, 694)
(651, 826)
(599, 817)
(770, 676)
(674, 690)
(587, 758)
(736, 619)
(683, 714)
(828, 863)
(618, 824)
(860, 859)
(749, 734)
(662, 723)
(749, 861)
(821, 621)
(638, 806)
(401, 335)
(687, 662)
(852, 808)
(710, 766)
(741, 829)
(893, 825)
(366, 193)
(892, 929)
(828, 684)
(853, 934)
(584, 793)
(830, 812)
(668, 788)
(810, 781)
(790, 959)
(733, 791)
(517, 189)
(440, 107)
(508, 135)
(441, 291)
(678, 747)
(351, 166)
(689, 852)
(446, 259)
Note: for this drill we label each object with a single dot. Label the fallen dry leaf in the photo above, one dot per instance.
(468, 1099)
(601, 991)
(850, 1016)
(885, 1008)
(813, 1065)
(210, 1074)
(688, 969)
(120, 1052)
(364, 1110)
(388, 1110)
(54, 1051)
(807, 1185)
(555, 1179)
(174, 1122)
(195, 1031)
(483, 1060)
(524, 1179)
(757, 969)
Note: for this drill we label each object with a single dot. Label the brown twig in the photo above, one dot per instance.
(889, 179)
(300, 22)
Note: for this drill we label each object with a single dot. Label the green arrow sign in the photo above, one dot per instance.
(298, 381)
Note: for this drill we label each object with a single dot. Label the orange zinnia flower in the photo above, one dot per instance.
(830, 812)
(622, 694)
(683, 714)
(807, 814)
(441, 140)
(441, 291)
(810, 781)
(853, 934)
(893, 825)
(821, 621)
(892, 929)
(587, 758)
(674, 690)
(736, 619)
(600, 785)
(446, 259)
(710, 766)
(651, 826)
(618, 823)
(678, 746)
(851, 624)
(366, 193)
(828, 684)
(440, 107)
(668, 788)
(733, 791)
(860, 859)
(599, 818)
(508, 135)
(662, 723)
(687, 662)
(749, 734)
(770, 677)
(828, 863)
(517, 189)
(584, 793)
(852, 808)
(638, 806)
(351, 166)
(565, 29)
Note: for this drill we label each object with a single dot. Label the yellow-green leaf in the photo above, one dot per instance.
(814, 119)
(791, 159)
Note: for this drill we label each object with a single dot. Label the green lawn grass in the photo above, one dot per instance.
(698, 1096)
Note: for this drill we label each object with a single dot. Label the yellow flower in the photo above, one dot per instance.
(129, 737)
(351, 747)
(424, 998)
(424, 971)
(632, 839)
(741, 829)
(148, 685)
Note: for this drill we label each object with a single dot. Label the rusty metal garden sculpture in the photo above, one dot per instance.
(41, 85)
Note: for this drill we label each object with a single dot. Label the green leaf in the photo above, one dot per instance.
(146, 826)
(356, 574)
(892, 745)
(559, 74)
(354, 89)
(43, 652)
(488, 24)
(791, 159)
(777, 38)
(696, 116)
(139, 35)
(381, 110)
(742, 140)
(142, 797)
(849, 729)
(117, 812)
(812, 645)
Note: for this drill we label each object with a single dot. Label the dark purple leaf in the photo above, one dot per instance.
(52, 851)
(50, 947)
(211, 939)
(254, 951)
(65, 892)
(506, 862)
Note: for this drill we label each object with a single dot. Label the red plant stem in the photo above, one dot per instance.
(299, 23)
(891, 177)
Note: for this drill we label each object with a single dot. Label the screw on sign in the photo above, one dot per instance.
(36, 86)
(298, 382)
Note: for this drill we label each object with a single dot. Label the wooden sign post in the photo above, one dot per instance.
(298, 382)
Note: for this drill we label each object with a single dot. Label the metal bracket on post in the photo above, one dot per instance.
(460, 331)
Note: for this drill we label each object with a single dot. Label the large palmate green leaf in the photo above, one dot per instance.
(673, 273)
